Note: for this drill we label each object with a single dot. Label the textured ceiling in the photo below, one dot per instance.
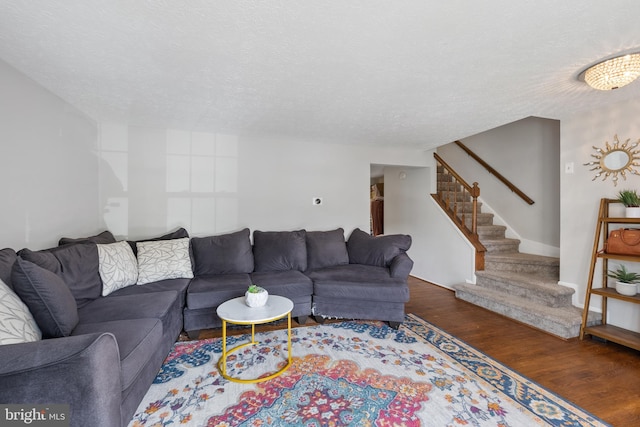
(415, 72)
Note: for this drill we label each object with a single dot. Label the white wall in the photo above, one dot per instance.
(526, 152)
(154, 180)
(440, 253)
(47, 166)
(581, 197)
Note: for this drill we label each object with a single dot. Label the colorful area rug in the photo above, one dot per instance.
(350, 373)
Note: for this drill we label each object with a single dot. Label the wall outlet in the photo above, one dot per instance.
(317, 201)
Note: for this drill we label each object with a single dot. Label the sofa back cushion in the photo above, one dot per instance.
(48, 298)
(76, 264)
(378, 251)
(225, 254)
(103, 238)
(7, 258)
(326, 249)
(280, 250)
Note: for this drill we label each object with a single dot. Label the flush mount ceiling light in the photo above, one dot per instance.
(613, 73)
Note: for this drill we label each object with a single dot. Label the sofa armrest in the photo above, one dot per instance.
(81, 371)
(401, 266)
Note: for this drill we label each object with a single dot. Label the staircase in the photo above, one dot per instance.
(523, 287)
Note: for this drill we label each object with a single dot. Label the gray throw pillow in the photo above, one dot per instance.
(280, 250)
(7, 258)
(103, 238)
(225, 254)
(326, 249)
(76, 264)
(378, 251)
(48, 298)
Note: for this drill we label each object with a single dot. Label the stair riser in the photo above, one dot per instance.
(501, 247)
(449, 186)
(466, 207)
(540, 269)
(491, 232)
(445, 177)
(556, 328)
(530, 294)
(483, 219)
(457, 196)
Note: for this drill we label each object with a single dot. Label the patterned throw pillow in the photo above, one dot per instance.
(163, 259)
(118, 266)
(17, 325)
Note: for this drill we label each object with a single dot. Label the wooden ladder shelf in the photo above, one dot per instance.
(608, 332)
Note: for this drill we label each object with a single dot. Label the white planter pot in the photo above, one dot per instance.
(256, 299)
(628, 289)
(632, 212)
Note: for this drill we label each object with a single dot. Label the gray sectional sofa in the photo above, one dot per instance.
(104, 334)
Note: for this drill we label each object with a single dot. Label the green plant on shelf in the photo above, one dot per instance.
(629, 198)
(622, 275)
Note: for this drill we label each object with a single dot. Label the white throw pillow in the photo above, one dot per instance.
(163, 259)
(118, 266)
(16, 322)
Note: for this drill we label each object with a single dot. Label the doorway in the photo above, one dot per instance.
(376, 200)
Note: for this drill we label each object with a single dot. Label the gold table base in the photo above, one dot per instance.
(222, 363)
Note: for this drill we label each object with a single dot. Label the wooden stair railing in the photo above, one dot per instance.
(495, 173)
(452, 201)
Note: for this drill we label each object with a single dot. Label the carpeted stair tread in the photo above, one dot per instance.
(560, 321)
(537, 288)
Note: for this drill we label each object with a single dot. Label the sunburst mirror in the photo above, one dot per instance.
(617, 159)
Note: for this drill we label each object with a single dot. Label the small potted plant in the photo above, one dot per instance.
(625, 280)
(631, 200)
(256, 296)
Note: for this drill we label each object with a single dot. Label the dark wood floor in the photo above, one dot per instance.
(602, 378)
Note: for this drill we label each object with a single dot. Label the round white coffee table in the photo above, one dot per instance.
(235, 311)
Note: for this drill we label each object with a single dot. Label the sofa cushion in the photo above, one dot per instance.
(378, 251)
(225, 254)
(164, 259)
(177, 285)
(48, 298)
(326, 248)
(213, 290)
(138, 340)
(77, 265)
(290, 284)
(279, 250)
(117, 265)
(358, 281)
(157, 305)
(17, 325)
(7, 258)
(180, 233)
(103, 238)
